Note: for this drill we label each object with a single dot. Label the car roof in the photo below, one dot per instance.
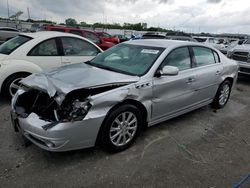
(164, 43)
(49, 34)
(8, 28)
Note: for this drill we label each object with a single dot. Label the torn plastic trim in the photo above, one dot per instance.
(50, 125)
(60, 97)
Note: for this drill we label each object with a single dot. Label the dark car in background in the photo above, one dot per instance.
(122, 38)
(181, 38)
(152, 36)
(91, 35)
(7, 33)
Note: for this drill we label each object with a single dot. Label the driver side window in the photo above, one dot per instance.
(179, 58)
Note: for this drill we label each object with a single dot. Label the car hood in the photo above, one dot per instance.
(243, 47)
(77, 76)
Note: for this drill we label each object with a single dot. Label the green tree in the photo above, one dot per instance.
(71, 22)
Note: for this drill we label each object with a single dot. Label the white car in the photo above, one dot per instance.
(7, 33)
(241, 54)
(36, 52)
(210, 41)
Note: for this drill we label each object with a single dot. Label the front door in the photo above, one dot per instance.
(174, 93)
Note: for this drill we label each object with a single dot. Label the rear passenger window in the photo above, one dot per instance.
(77, 47)
(216, 57)
(76, 32)
(203, 56)
(178, 58)
(46, 48)
(57, 29)
(92, 37)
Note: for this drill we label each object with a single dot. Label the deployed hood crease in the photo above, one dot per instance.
(77, 76)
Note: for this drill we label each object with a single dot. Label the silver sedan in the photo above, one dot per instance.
(109, 99)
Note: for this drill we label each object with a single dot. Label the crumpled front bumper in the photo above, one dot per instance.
(63, 136)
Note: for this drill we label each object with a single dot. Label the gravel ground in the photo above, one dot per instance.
(204, 148)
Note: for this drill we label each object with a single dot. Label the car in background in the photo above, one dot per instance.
(229, 45)
(108, 38)
(211, 41)
(109, 99)
(7, 33)
(91, 35)
(241, 54)
(169, 37)
(153, 36)
(122, 38)
(181, 38)
(41, 51)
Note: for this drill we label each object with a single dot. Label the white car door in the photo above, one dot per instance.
(45, 54)
(76, 50)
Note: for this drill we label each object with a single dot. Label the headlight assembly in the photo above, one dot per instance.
(79, 110)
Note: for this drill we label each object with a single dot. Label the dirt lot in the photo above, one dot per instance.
(204, 148)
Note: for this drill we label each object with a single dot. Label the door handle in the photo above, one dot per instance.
(217, 72)
(66, 62)
(190, 80)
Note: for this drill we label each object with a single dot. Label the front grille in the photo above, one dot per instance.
(240, 56)
(244, 70)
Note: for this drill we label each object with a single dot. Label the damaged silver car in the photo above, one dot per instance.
(110, 98)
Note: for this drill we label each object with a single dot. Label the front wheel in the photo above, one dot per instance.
(12, 84)
(121, 128)
(222, 95)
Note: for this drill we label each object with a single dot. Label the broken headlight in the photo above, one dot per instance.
(78, 110)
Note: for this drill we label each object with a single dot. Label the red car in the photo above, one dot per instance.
(104, 45)
(108, 38)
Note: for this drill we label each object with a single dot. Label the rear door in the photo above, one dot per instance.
(76, 50)
(208, 71)
(172, 94)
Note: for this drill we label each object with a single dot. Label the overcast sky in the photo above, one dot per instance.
(217, 16)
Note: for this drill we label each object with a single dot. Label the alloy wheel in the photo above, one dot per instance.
(123, 128)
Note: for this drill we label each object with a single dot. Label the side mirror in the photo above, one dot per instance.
(169, 71)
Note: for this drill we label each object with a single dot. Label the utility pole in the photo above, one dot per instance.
(8, 10)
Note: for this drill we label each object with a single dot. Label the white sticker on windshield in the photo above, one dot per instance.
(149, 51)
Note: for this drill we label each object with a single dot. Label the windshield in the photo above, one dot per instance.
(12, 44)
(128, 59)
(200, 39)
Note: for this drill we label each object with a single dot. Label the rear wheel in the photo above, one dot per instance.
(121, 128)
(222, 95)
(12, 84)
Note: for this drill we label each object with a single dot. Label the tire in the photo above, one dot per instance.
(6, 90)
(222, 95)
(117, 134)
